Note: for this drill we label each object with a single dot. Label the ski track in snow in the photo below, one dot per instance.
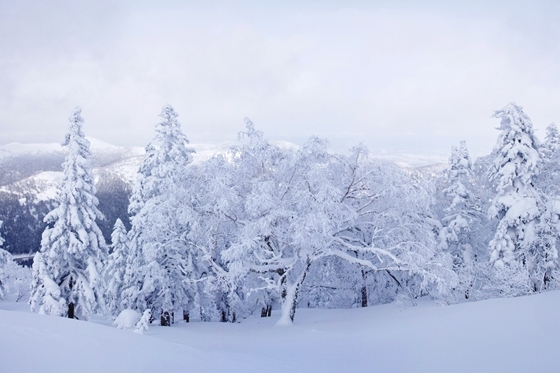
(498, 335)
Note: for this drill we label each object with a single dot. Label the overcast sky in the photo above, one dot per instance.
(399, 76)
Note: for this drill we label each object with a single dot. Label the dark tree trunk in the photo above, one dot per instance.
(71, 310)
(268, 311)
(263, 312)
(364, 296)
(294, 302)
(186, 316)
(165, 319)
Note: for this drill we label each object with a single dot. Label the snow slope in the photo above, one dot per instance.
(499, 335)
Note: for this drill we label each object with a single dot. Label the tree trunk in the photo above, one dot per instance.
(289, 298)
(186, 316)
(71, 310)
(266, 311)
(364, 296)
(165, 319)
(364, 290)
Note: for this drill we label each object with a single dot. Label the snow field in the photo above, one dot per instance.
(498, 335)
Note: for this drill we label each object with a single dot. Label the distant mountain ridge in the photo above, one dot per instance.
(30, 175)
(19, 161)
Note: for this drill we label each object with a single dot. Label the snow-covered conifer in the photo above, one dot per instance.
(548, 180)
(159, 260)
(551, 145)
(515, 249)
(462, 208)
(67, 277)
(143, 324)
(462, 216)
(116, 266)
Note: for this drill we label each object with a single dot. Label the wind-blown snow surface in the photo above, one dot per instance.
(499, 335)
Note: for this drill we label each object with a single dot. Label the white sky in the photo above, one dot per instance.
(399, 76)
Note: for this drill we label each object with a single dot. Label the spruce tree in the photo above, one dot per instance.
(159, 260)
(551, 146)
(462, 217)
(548, 181)
(462, 207)
(515, 250)
(115, 268)
(66, 271)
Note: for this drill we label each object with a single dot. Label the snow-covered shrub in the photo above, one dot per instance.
(14, 279)
(143, 324)
(127, 319)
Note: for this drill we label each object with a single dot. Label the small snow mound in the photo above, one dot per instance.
(284, 321)
(127, 319)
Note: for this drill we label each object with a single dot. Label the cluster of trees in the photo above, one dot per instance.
(14, 279)
(262, 226)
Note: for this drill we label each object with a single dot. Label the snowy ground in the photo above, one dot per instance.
(499, 335)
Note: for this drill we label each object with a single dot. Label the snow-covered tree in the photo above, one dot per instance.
(143, 324)
(67, 277)
(304, 207)
(389, 232)
(548, 180)
(161, 216)
(516, 250)
(116, 266)
(217, 191)
(4, 258)
(462, 218)
(14, 279)
(462, 206)
(548, 229)
(551, 145)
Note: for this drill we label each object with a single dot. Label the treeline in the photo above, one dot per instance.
(261, 227)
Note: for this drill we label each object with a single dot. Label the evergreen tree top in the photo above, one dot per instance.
(516, 151)
(551, 143)
(75, 139)
(171, 140)
(460, 161)
(552, 133)
(118, 237)
(516, 127)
